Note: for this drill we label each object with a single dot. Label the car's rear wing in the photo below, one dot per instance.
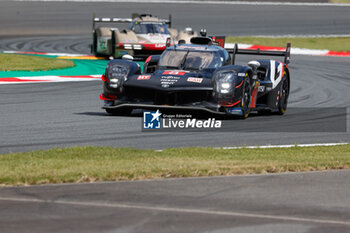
(285, 54)
(124, 20)
(166, 21)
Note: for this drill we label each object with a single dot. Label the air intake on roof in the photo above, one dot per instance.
(201, 40)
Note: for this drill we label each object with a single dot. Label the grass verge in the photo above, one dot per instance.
(340, 1)
(333, 44)
(16, 62)
(87, 164)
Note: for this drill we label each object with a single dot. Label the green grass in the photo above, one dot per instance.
(334, 44)
(340, 1)
(15, 62)
(87, 164)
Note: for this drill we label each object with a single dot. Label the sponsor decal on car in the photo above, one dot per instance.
(143, 77)
(219, 40)
(129, 41)
(191, 47)
(172, 72)
(194, 80)
(166, 81)
(261, 88)
(234, 110)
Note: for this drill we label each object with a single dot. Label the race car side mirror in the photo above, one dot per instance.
(254, 65)
(181, 42)
(168, 42)
(189, 31)
(127, 57)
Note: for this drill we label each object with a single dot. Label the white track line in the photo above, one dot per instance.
(275, 146)
(282, 146)
(178, 210)
(202, 2)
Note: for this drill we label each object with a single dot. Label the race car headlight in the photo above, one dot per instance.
(225, 86)
(224, 82)
(117, 75)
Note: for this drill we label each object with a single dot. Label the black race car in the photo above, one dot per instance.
(198, 76)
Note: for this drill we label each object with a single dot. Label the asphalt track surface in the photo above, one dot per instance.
(290, 203)
(43, 116)
(64, 18)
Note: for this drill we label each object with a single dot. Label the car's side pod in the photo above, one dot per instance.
(272, 74)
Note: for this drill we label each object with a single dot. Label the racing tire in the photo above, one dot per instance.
(283, 96)
(119, 112)
(246, 96)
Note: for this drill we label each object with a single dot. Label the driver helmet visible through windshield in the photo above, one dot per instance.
(191, 60)
(149, 28)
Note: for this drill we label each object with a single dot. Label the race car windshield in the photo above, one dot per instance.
(146, 28)
(190, 60)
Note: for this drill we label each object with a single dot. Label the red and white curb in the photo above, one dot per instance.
(49, 54)
(294, 51)
(49, 78)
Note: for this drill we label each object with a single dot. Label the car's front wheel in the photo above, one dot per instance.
(245, 101)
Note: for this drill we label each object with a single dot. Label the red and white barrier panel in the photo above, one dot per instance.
(49, 78)
(296, 51)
